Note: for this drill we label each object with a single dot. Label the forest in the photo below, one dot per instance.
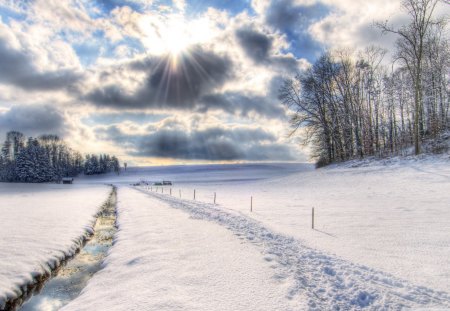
(354, 104)
(47, 159)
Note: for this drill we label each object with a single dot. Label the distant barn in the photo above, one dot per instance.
(167, 183)
(67, 180)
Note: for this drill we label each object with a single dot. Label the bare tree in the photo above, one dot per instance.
(410, 50)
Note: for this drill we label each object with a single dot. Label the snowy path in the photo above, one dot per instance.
(40, 226)
(322, 281)
(164, 260)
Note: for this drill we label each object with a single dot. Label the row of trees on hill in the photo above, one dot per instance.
(47, 158)
(351, 105)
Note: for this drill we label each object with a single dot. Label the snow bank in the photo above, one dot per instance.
(164, 260)
(41, 224)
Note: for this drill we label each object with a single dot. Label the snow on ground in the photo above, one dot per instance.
(392, 215)
(319, 280)
(381, 238)
(40, 225)
(201, 174)
(164, 260)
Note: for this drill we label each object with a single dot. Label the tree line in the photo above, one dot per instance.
(47, 159)
(349, 104)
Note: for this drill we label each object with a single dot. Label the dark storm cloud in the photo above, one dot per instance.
(235, 102)
(258, 47)
(33, 120)
(286, 15)
(214, 144)
(287, 63)
(168, 85)
(16, 68)
(243, 104)
(256, 44)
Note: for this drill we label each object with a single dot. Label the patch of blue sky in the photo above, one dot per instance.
(106, 6)
(234, 7)
(87, 49)
(193, 7)
(134, 43)
(302, 44)
(134, 46)
(98, 46)
(88, 52)
(115, 118)
(8, 15)
(94, 9)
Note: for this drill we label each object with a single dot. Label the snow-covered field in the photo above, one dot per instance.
(381, 238)
(40, 225)
(393, 217)
(390, 215)
(190, 175)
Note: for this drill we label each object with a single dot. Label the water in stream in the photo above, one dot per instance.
(71, 278)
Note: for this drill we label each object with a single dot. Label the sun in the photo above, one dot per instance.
(174, 34)
(175, 37)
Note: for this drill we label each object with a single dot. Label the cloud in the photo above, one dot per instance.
(291, 15)
(70, 15)
(242, 103)
(33, 120)
(220, 89)
(256, 44)
(169, 83)
(350, 23)
(293, 19)
(213, 143)
(265, 50)
(17, 68)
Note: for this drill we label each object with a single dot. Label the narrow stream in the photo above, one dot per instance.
(71, 278)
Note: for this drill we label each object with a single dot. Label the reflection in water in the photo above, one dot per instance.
(73, 277)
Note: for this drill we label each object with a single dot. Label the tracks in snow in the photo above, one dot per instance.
(327, 282)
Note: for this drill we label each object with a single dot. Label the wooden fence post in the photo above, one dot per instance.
(214, 198)
(194, 194)
(312, 218)
(251, 204)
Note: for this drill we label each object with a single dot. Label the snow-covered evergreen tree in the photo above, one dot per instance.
(33, 165)
(47, 158)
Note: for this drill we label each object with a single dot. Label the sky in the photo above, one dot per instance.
(171, 81)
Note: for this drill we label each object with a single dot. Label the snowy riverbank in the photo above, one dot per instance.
(41, 225)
